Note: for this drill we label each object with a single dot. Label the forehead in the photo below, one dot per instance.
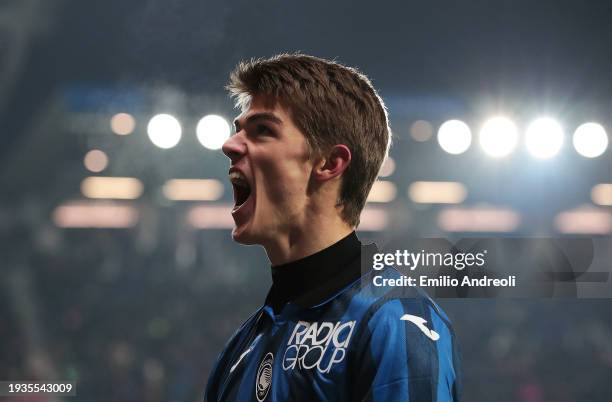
(266, 107)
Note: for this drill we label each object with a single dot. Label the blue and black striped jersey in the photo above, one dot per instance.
(363, 343)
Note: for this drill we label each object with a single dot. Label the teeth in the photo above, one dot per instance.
(238, 178)
(236, 175)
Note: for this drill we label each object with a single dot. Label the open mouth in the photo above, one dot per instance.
(242, 189)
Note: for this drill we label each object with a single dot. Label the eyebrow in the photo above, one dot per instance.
(259, 116)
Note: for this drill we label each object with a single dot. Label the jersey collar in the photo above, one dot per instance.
(310, 280)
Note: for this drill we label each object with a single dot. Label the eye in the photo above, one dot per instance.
(262, 129)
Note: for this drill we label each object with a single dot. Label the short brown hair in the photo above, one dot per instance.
(331, 104)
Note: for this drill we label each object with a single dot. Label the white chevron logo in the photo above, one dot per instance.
(420, 323)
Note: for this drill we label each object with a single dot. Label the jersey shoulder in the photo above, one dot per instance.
(367, 296)
(242, 331)
(227, 355)
(406, 344)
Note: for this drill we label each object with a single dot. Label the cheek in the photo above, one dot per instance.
(285, 181)
(298, 166)
(284, 170)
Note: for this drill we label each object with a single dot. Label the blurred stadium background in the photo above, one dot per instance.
(118, 269)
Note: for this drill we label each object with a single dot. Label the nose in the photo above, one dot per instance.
(234, 147)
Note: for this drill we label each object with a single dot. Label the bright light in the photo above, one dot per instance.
(454, 136)
(421, 130)
(590, 140)
(373, 219)
(544, 138)
(164, 131)
(601, 194)
(498, 137)
(95, 160)
(120, 188)
(387, 168)
(97, 214)
(212, 131)
(482, 219)
(382, 191)
(437, 192)
(211, 216)
(584, 220)
(193, 189)
(122, 124)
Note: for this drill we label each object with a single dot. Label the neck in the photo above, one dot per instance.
(305, 239)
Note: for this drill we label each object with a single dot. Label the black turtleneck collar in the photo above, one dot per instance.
(310, 280)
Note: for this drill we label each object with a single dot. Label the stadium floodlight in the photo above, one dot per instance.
(421, 130)
(387, 168)
(164, 131)
(95, 161)
(583, 220)
(211, 216)
(590, 140)
(437, 192)
(544, 138)
(382, 191)
(122, 123)
(95, 215)
(212, 131)
(193, 189)
(498, 137)
(454, 137)
(119, 188)
(478, 219)
(374, 219)
(601, 194)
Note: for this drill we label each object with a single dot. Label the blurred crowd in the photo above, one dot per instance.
(131, 323)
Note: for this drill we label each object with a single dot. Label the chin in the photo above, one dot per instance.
(250, 233)
(241, 234)
(242, 239)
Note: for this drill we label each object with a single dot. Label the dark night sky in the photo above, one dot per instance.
(454, 48)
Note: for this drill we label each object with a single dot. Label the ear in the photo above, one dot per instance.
(336, 162)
